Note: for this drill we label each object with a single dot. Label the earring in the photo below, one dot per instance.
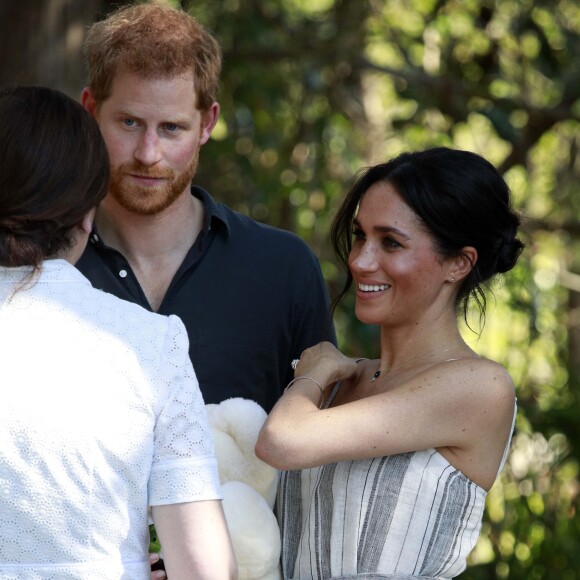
(452, 279)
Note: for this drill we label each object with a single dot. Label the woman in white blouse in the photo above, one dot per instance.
(101, 415)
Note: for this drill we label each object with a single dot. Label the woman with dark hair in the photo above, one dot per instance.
(101, 413)
(388, 462)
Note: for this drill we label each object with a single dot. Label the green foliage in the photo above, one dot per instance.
(315, 90)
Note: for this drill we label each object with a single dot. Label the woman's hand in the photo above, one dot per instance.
(156, 573)
(293, 424)
(325, 363)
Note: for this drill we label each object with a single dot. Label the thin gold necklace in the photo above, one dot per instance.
(379, 372)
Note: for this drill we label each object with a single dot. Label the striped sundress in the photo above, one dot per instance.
(403, 516)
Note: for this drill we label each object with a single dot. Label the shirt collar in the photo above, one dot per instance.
(215, 213)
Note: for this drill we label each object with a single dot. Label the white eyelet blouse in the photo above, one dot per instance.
(100, 417)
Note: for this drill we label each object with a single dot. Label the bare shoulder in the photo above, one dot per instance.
(478, 412)
(467, 385)
(484, 375)
(483, 385)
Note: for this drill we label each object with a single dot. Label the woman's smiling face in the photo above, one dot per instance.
(397, 273)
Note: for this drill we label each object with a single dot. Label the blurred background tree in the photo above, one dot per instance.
(314, 90)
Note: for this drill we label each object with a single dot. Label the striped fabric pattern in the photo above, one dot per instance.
(403, 516)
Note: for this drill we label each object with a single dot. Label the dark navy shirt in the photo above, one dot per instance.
(251, 296)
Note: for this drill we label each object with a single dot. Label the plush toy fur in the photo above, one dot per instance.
(249, 487)
(254, 531)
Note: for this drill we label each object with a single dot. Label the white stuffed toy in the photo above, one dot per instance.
(249, 487)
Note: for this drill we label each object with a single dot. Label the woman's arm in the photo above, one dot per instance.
(196, 541)
(466, 405)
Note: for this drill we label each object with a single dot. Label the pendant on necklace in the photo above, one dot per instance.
(378, 373)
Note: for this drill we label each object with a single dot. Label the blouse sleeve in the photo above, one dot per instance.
(184, 467)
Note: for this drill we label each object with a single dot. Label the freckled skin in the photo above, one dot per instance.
(432, 387)
(391, 247)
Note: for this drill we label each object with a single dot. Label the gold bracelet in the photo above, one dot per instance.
(311, 379)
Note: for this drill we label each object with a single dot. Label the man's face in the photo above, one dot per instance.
(153, 132)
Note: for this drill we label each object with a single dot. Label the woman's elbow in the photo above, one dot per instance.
(273, 450)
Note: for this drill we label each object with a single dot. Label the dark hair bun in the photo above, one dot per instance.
(25, 242)
(509, 252)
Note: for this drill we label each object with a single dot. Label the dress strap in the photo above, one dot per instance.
(509, 441)
(336, 387)
(332, 394)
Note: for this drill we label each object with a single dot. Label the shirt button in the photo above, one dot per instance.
(123, 273)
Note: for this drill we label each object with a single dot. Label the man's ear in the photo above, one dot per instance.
(463, 264)
(88, 101)
(80, 236)
(209, 120)
(86, 224)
